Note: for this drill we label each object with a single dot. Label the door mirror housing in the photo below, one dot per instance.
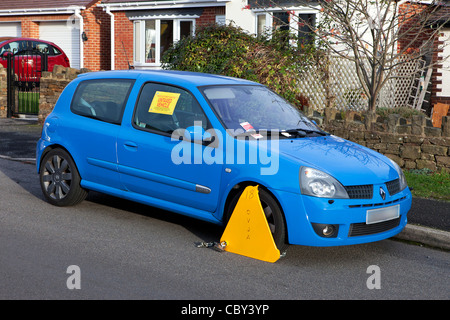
(197, 134)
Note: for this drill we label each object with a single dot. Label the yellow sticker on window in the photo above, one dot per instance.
(164, 102)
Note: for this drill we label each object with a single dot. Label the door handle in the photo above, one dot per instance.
(131, 146)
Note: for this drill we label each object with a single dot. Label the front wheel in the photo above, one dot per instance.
(273, 213)
(60, 180)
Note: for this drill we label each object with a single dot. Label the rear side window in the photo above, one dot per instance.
(55, 51)
(102, 99)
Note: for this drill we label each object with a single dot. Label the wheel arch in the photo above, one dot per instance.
(50, 148)
(239, 187)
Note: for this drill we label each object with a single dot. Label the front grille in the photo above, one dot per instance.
(363, 229)
(367, 205)
(360, 192)
(393, 186)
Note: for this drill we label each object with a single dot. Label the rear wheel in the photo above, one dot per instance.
(273, 213)
(60, 180)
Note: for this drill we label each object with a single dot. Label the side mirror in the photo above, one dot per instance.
(197, 134)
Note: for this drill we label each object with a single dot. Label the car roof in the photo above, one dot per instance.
(170, 76)
(26, 39)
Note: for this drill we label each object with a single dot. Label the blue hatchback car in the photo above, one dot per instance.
(191, 143)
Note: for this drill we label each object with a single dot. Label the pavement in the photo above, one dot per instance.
(428, 220)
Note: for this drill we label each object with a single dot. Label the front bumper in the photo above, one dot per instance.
(348, 216)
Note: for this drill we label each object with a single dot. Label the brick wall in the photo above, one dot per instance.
(410, 10)
(209, 16)
(123, 42)
(30, 28)
(97, 49)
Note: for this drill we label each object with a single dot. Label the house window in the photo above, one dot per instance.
(152, 37)
(280, 21)
(302, 23)
(262, 25)
(306, 23)
(220, 20)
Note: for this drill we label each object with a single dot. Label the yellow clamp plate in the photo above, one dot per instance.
(247, 232)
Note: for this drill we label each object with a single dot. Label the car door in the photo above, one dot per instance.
(90, 133)
(154, 163)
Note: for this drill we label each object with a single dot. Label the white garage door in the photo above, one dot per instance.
(10, 29)
(66, 36)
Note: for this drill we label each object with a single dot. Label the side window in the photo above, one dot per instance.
(166, 108)
(25, 47)
(43, 47)
(55, 51)
(102, 99)
(11, 47)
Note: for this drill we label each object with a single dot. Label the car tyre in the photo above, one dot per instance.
(273, 213)
(60, 180)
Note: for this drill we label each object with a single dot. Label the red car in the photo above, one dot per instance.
(27, 61)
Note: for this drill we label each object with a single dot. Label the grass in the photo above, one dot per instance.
(428, 184)
(28, 102)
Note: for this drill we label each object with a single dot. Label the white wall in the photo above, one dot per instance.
(235, 12)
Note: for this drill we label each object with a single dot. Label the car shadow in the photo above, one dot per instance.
(25, 174)
(205, 231)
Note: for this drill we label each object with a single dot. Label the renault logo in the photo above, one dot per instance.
(382, 193)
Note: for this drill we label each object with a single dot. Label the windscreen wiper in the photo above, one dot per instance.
(300, 132)
(291, 133)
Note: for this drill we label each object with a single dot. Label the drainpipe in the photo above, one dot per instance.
(108, 11)
(80, 18)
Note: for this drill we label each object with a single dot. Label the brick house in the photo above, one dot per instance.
(80, 27)
(142, 30)
(84, 28)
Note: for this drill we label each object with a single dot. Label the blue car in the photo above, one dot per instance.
(191, 143)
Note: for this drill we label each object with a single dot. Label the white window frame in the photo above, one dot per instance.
(139, 39)
(269, 22)
(292, 26)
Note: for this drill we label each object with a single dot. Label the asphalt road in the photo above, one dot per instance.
(129, 251)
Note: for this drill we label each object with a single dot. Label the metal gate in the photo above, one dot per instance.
(24, 69)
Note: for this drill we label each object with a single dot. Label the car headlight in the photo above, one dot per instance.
(316, 183)
(401, 176)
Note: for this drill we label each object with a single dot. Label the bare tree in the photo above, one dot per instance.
(377, 35)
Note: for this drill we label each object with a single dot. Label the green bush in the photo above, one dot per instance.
(228, 50)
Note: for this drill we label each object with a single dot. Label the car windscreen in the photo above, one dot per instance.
(254, 107)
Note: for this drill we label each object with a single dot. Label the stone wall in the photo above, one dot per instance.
(411, 142)
(3, 92)
(52, 84)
